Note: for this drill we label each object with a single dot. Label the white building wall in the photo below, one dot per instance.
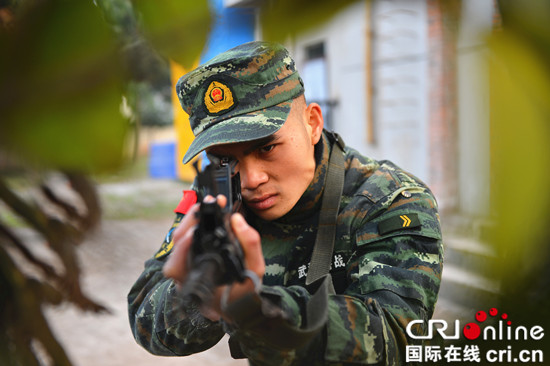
(473, 107)
(400, 84)
(345, 42)
(399, 78)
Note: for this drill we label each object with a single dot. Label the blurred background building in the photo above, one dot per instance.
(399, 80)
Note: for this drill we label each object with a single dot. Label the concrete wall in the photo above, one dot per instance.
(400, 84)
(429, 98)
(345, 42)
(473, 108)
(398, 78)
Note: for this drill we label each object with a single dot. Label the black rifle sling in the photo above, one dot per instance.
(321, 257)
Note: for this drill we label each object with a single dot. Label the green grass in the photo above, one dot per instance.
(131, 207)
(132, 170)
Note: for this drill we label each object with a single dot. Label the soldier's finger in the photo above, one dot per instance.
(251, 243)
(210, 313)
(176, 265)
(188, 222)
(222, 200)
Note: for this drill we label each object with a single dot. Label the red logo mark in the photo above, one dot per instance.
(472, 331)
(216, 94)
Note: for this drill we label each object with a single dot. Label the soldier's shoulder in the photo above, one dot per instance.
(377, 179)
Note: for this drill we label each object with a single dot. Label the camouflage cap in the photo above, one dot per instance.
(240, 95)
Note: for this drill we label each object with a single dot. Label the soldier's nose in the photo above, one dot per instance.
(252, 176)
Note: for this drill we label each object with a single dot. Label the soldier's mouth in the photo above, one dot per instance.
(262, 203)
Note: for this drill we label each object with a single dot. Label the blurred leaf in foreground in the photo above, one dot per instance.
(61, 87)
(60, 91)
(280, 19)
(519, 67)
(177, 29)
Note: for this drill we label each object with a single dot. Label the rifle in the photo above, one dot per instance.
(216, 257)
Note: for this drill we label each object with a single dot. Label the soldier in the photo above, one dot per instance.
(342, 251)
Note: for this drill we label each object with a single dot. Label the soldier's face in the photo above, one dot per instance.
(276, 171)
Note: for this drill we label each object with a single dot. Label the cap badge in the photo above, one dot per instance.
(218, 98)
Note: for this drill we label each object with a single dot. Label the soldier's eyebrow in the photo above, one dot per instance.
(261, 143)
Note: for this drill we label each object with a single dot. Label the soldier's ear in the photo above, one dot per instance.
(315, 121)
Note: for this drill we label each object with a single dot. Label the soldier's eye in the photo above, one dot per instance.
(267, 148)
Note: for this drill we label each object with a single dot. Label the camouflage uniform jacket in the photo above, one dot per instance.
(386, 270)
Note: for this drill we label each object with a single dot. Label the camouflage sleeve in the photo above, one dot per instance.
(393, 276)
(159, 321)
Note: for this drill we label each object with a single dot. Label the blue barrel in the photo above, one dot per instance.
(162, 160)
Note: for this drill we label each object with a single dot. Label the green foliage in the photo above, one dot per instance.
(120, 15)
(62, 78)
(280, 19)
(520, 114)
(61, 88)
(152, 106)
(27, 281)
(529, 20)
(61, 83)
(149, 89)
(177, 29)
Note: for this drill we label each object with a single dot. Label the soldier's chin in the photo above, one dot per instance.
(267, 215)
(270, 214)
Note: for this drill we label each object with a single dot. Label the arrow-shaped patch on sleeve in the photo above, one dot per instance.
(398, 222)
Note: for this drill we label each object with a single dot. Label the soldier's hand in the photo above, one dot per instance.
(249, 238)
(254, 261)
(176, 265)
